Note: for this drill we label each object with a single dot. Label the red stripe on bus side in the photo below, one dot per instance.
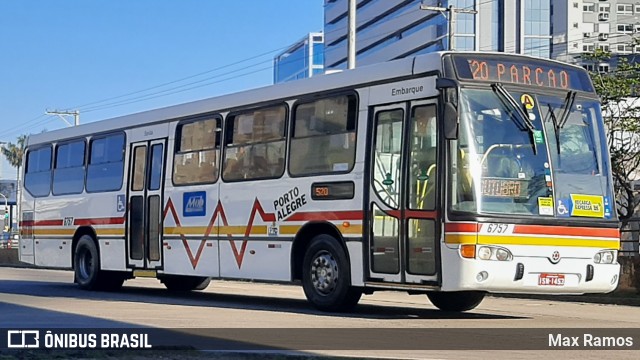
(47, 222)
(100, 221)
(566, 231)
(326, 215)
(80, 222)
(419, 214)
(461, 227)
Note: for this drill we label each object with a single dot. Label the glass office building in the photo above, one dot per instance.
(402, 29)
(303, 59)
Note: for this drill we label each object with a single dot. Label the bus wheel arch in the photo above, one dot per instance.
(325, 268)
(80, 232)
(303, 240)
(86, 264)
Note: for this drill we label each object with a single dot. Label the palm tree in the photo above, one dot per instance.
(14, 154)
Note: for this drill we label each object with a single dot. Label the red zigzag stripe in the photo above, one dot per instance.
(239, 255)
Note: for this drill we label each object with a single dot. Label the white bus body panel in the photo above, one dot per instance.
(53, 252)
(204, 256)
(113, 254)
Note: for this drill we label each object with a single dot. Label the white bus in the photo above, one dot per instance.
(449, 174)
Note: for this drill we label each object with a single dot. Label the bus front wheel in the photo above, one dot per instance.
(326, 276)
(87, 268)
(456, 300)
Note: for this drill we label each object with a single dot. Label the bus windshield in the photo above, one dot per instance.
(546, 157)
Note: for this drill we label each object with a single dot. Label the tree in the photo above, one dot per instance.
(620, 103)
(14, 154)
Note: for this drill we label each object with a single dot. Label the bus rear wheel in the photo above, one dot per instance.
(456, 300)
(326, 276)
(87, 268)
(185, 283)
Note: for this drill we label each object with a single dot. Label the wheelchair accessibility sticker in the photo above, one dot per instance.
(582, 205)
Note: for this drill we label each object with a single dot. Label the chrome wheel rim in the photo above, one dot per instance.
(324, 272)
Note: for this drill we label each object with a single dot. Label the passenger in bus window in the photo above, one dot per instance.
(505, 147)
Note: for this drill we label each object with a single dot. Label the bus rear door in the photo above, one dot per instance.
(144, 219)
(402, 215)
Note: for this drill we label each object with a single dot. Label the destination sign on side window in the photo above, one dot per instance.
(520, 70)
(505, 188)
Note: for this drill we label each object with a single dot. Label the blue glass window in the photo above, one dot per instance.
(537, 28)
(37, 179)
(68, 175)
(106, 164)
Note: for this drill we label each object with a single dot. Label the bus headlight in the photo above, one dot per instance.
(484, 253)
(503, 254)
(494, 253)
(605, 257)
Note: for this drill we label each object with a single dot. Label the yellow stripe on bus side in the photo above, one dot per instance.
(547, 241)
(293, 229)
(189, 230)
(530, 240)
(112, 231)
(459, 239)
(223, 230)
(240, 230)
(69, 232)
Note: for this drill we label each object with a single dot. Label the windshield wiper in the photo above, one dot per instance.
(566, 111)
(556, 129)
(566, 108)
(524, 117)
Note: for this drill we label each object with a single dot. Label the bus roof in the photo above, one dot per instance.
(362, 75)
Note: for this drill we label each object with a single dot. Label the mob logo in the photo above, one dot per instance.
(194, 203)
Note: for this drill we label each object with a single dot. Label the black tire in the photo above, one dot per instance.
(456, 300)
(326, 276)
(86, 265)
(185, 283)
(203, 284)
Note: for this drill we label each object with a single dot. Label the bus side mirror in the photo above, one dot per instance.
(450, 121)
(449, 89)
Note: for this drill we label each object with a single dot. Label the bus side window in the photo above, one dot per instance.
(69, 168)
(197, 152)
(255, 144)
(324, 136)
(105, 171)
(38, 175)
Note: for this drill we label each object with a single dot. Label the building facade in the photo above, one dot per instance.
(558, 29)
(303, 59)
(582, 26)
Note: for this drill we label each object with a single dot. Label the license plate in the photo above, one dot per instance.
(551, 280)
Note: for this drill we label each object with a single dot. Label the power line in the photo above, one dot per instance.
(185, 87)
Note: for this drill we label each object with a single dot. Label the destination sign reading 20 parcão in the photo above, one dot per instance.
(523, 71)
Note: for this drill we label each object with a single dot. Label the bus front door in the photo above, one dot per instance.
(404, 222)
(144, 219)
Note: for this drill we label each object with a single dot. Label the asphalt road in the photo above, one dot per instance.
(32, 298)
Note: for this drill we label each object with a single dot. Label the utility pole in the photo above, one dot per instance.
(451, 18)
(351, 44)
(62, 114)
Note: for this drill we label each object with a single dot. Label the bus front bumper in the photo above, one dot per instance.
(538, 276)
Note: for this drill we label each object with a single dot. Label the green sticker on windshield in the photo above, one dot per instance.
(538, 137)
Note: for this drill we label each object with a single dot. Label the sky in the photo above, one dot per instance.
(108, 58)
